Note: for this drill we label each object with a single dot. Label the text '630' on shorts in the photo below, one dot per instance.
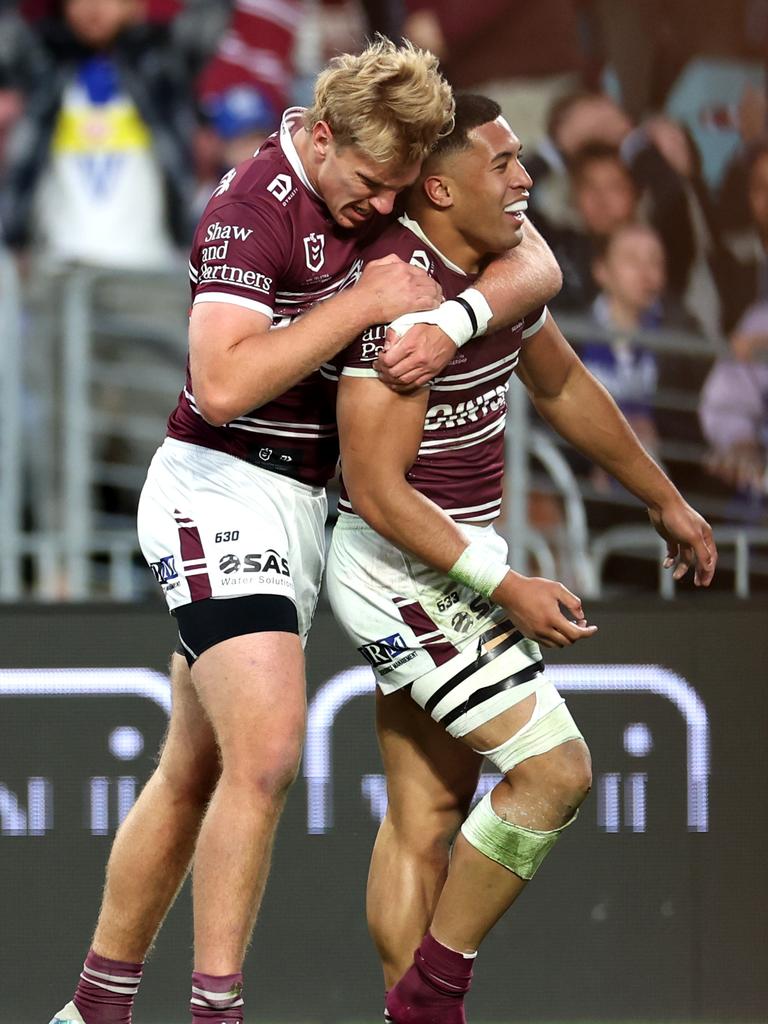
(417, 627)
(213, 526)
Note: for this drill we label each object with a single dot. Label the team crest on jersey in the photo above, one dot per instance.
(314, 251)
(420, 259)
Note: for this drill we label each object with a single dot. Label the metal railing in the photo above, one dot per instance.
(11, 431)
(72, 550)
(76, 350)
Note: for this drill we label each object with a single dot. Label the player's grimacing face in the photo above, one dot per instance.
(356, 188)
(490, 188)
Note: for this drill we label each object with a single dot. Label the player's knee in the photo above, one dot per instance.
(267, 771)
(562, 776)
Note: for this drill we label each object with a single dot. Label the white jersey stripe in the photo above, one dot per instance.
(441, 443)
(511, 358)
(272, 432)
(476, 508)
(312, 428)
(358, 371)
(471, 383)
(535, 328)
(233, 300)
(486, 517)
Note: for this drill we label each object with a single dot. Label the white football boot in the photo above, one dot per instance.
(68, 1015)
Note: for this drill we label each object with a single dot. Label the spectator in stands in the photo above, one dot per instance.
(734, 415)
(575, 121)
(630, 272)
(99, 167)
(605, 197)
(745, 278)
(663, 164)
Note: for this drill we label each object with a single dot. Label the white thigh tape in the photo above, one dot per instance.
(550, 725)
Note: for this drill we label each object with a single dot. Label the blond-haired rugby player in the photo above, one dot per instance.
(231, 516)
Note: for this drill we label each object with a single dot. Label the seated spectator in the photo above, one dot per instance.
(630, 272)
(99, 168)
(745, 278)
(663, 164)
(605, 196)
(734, 415)
(575, 121)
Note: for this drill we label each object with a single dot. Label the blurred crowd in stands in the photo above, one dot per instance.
(644, 125)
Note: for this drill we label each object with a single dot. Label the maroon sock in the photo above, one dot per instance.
(432, 990)
(106, 990)
(218, 997)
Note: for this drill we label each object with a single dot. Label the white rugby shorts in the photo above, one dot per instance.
(213, 526)
(418, 627)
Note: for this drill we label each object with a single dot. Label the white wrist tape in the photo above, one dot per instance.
(461, 318)
(479, 568)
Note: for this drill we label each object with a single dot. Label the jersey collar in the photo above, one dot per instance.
(291, 120)
(414, 226)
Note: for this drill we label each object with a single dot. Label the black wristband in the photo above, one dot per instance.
(470, 313)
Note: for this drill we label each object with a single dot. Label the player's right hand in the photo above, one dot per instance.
(543, 610)
(392, 287)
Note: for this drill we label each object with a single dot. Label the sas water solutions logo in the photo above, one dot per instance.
(268, 565)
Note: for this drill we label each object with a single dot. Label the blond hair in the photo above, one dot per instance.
(391, 102)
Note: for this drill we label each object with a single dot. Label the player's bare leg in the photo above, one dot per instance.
(541, 793)
(252, 688)
(150, 858)
(431, 778)
(533, 801)
(153, 848)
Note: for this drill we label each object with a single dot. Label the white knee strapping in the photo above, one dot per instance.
(516, 848)
(550, 725)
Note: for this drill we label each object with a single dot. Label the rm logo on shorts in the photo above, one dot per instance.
(164, 570)
(383, 651)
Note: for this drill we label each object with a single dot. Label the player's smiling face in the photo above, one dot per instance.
(490, 188)
(354, 187)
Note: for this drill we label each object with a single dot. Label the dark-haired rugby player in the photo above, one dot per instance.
(418, 578)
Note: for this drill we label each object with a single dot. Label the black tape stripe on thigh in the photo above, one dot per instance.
(483, 659)
(479, 696)
(202, 624)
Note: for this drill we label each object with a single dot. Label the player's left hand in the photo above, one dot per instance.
(411, 359)
(689, 541)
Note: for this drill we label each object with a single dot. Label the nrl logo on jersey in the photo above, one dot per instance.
(314, 251)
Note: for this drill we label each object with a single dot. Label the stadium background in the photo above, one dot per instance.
(653, 908)
(656, 925)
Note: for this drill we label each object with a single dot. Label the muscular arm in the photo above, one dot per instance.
(375, 477)
(375, 473)
(238, 363)
(579, 408)
(513, 284)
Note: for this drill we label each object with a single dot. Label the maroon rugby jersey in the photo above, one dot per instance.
(460, 464)
(267, 242)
